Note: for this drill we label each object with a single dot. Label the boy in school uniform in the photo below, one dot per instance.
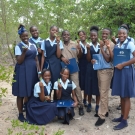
(71, 50)
(104, 76)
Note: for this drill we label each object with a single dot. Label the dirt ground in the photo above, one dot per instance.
(80, 125)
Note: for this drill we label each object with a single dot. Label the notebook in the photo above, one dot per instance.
(72, 66)
(65, 103)
(100, 62)
(120, 56)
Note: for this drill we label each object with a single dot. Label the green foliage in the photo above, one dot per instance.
(27, 128)
(59, 132)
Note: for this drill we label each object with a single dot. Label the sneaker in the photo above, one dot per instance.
(89, 108)
(121, 125)
(81, 111)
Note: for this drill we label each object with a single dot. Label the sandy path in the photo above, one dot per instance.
(81, 126)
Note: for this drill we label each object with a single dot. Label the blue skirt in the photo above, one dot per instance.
(25, 78)
(40, 113)
(123, 82)
(91, 81)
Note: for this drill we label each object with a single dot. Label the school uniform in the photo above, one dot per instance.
(67, 88)
(91, 80)
(82, 66)
(37, 42)
(38, 112)
(50, 47)
(104, 81)
(123, 81)
(69, 52)
(25, 75)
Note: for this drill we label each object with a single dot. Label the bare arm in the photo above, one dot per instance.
(105, 55)
(58, 92)
(37, 62)
(41, 94)
(131, 61)
(109, 49)
(20, 58)
(58, 51)
(42, 60)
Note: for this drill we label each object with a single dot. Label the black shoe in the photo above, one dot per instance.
(81, 112)
(119, 107)
(96, 115)
(99, 122)
(107, 114)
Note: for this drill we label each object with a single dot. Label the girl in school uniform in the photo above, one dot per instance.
(83, 63)
(123, 80)
(127, 27)
(51, 52)
(40, 110)
(64, 88)
(35, 39)
(25, 70)
(91, 81)
(116, 41)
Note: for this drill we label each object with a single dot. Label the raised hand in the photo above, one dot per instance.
(101, 43)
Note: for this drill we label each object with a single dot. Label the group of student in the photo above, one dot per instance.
(37, 58)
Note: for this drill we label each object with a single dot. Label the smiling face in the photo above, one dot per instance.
(46, 76)
(65, 75)
(53, 31)
(34, 32)
(82, 36)
(105, 34)
(66, 36)
(25, 37)
(93, 36)
(122, 35)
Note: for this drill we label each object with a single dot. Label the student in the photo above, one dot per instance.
(83, 63)
(127, 27)
(35, 39)
(116, 41)
(64, 88)
(91, 81)
(104, 76)
(51, 52)
(123, 81)
(71, 50)
(25, 70)
(40, 110)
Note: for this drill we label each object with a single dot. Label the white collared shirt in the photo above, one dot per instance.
(18, 50)
(36, 40)
(96, 48)
(130, 46)
(64, 85)
(37, 88)
(52, 43)
(84, 46)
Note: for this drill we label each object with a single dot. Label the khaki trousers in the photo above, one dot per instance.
(74, 77)
(104, 81)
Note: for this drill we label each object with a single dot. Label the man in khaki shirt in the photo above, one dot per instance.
(71, 50)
